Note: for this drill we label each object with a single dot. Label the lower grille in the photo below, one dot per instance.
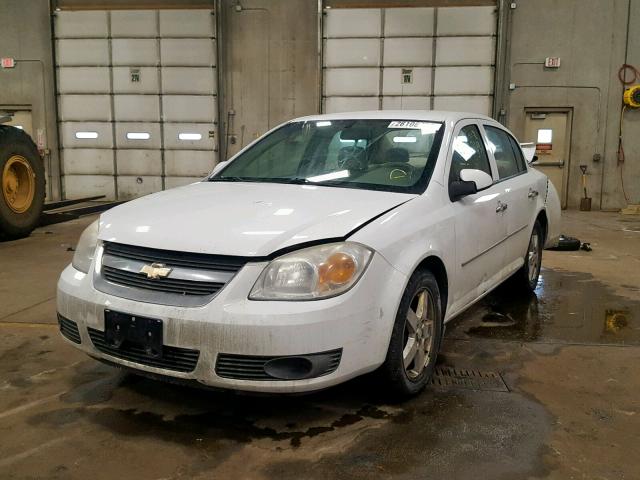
(245, 367)
(168, 285)
(69, 329)
(173, 358)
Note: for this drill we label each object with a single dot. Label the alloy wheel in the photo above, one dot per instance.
(418, 334)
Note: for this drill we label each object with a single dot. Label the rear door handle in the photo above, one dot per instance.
(501, 207)
(532, 193)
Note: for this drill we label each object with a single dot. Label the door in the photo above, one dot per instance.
(137, 99)
(550, 130)
(480, 226)
(519, 191)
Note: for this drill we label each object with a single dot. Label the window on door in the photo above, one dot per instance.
(468, 152)
(508, 161)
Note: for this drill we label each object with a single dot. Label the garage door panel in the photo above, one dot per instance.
(174, 182)
(408, 52)
(134, 51)
(461, 80)
(132, 24)
(188, 162)
(85, 108)
(406, 102)
(187, 51)
(83, 80)
(392, 82)
(137, 186)
(128, 135)
(139, 162)
(147, 80)
(78, 161)
(82, 52)
(350, 104)
(135, 108)
(187, 23)
(176, 80)
(188, 108)
(192, 136)
(81, 24)
(360, 22)
(351, 81)
(465, 51)
(79, 186)
(408, 22)
(86, 135)
(461, 103)
(467, 21)
(352, 52)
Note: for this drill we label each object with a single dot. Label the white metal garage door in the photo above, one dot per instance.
(137, 100)
(409, 58)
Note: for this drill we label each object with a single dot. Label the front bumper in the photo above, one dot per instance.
(358, 322)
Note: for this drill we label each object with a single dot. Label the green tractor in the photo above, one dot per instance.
(22, 179)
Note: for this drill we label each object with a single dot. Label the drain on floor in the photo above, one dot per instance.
(451, 377)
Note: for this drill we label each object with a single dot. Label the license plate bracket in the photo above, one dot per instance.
(123, 328)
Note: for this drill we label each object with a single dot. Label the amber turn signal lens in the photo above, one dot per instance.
(337, 270)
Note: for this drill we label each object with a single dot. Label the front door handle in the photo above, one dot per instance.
(532, 193)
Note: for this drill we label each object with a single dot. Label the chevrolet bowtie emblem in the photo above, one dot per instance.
(155, 270)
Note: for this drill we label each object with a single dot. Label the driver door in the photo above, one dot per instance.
(480, 226)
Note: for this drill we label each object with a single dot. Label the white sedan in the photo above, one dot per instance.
(333, 246)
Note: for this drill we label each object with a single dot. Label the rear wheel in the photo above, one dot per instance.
(529, 273)
(22, 183)
(416, 336)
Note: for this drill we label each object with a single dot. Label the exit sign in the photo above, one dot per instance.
(552, 62)
(8, 62)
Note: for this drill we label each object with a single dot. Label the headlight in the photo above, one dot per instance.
(86, 248)
(312, 273)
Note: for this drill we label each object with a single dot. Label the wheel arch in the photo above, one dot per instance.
(544, 223)
(436, 266)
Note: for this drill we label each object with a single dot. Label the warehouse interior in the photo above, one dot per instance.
(125, 98)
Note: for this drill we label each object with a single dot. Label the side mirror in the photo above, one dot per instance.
(480, 178)
(534, 159)
(219, 166)
(459, 189)
(471, 181)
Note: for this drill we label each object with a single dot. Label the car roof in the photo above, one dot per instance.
(420, 115)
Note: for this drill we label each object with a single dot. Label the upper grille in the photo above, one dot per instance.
(69, 329)
(173, 358)
(221, 263)
(169, 285)
(194, 278)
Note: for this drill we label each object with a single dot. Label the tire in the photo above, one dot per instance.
(22, 183)
(527, 276)
(404, 381)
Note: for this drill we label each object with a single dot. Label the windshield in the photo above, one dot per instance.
(388, 155)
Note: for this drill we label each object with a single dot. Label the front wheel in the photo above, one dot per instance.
(415, 338)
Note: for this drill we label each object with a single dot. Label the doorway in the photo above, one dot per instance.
(550, 130)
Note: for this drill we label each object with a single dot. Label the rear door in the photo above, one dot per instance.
(518, 189)
(480, 227)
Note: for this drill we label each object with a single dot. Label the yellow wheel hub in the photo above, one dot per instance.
(18, 184)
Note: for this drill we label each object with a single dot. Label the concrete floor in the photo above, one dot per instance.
(564, 405)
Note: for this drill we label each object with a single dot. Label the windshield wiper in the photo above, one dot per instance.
(234, 179)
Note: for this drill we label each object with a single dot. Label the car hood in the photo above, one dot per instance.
(245, 219)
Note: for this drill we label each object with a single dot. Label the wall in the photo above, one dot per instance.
(25, 34)
(590, 38)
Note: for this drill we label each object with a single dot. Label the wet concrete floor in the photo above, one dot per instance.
(562, 401)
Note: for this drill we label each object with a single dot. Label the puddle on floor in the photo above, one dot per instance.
(566, 307)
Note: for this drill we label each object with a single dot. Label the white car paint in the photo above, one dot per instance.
(478, 247)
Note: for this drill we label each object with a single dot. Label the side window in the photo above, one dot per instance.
(506, 160)
(522, 163)
(468, 152)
